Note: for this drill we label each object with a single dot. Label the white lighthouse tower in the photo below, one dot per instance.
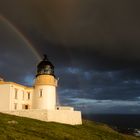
(45, 86)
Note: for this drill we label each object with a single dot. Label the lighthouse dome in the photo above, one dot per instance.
(45, 67)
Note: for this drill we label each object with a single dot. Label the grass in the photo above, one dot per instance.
(19, 128)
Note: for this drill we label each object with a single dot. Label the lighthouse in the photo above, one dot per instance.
(45, 86)
(39, 101)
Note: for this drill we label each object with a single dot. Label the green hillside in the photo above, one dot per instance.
(18, 128)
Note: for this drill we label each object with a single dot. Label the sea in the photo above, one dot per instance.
(123, 123)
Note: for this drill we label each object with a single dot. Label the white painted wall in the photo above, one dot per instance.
(65, 116)
(21, 99)
(61, 116)
(48, 98)
(4, 97)
(7, 96)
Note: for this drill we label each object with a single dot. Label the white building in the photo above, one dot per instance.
(39, 101)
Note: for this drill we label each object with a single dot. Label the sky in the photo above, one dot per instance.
(93, 44)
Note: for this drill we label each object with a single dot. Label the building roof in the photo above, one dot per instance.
(16, 84)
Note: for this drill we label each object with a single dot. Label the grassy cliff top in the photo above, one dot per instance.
(19, 128)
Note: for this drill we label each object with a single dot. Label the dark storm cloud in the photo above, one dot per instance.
(16, 57)
(108, 29)
(105, 26)
(94, 45)
(98, 85)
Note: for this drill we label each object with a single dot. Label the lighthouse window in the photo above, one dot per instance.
(22, 95)
(16, 93)
(29, 95)
(41, 93)
(15, 106)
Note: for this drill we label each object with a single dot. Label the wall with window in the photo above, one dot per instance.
(44, 97)
(21, 97)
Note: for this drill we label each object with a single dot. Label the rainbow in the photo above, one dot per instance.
(21, 36)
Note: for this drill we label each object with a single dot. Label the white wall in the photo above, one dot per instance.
(4, 97)
(60, 116)
(65, 116)
(48, 99)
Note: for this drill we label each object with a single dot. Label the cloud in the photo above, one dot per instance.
(106, 106)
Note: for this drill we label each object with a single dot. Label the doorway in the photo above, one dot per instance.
(24, 106)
